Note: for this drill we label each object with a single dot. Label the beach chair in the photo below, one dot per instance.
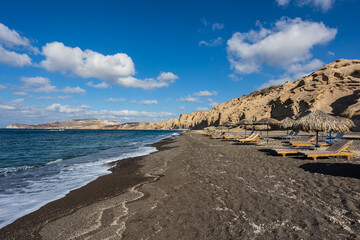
(340, 148)
(232, 137)
(286, 151)
(337, 137)
(308, 142)
(288, 135)
(294, 135)
(218, 135)
(253, 138)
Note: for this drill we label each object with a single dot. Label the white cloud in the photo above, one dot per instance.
(115, 100)
(289, 42)
(44, 98)
(45, 89)
(297, 67)
(204, 21)
(99, 85)
(169, 99)
(234, 78)
(148, 102)
(11, 37)
(189, 99)
(36, 81)
(132, 101)
(181, 108)
(274, 82)
(206, 93)
(64, 97)
(20, 93)
(202, 109)
(324, 5)
(115, 69)
(218, 26)
(212, 43)
(2, 87)
(212, 103)
(57, 107)
(73, 90)
(330, 53)
(283, 2)
(14, 59)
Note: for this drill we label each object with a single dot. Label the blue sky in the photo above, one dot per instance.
(152, 60)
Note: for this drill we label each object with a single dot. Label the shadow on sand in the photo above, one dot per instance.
(334, 169)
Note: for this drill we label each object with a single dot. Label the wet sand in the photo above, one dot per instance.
(199, 188)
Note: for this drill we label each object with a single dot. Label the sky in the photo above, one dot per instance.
(131, 61)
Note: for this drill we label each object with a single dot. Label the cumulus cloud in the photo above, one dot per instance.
(117, 69)
(206, 93)
(212, 43)
(202, 109)
(330, 53)
(148, 102)
(283, 2)
(189, 99)
(115, 100)
(20, 94)
(218, 26)
(73, 90)
(234, 78)
(9, 38)
(57, 107)
(288, 42)
(99, 85)
(2, 87)
(181, 108)
(274, 82)
(212, 103)
(14, 59)
(36, 81)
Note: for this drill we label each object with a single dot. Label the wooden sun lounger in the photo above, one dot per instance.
(237, 136)
(341, 148)
(309, 144)
(252, 138)
(308, 139)
(286, 151)
(219, 135)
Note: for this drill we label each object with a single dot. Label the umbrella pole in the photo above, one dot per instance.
(245, 129)
(330, 137)
(317, 139)
(267, 135)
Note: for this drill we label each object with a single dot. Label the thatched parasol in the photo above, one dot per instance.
(319, 121)
(228, 124)
(245, 122)
(268, 122)
(287, 123)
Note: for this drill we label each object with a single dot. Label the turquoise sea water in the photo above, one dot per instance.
(39, 166)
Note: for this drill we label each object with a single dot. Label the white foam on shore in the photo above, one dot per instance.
(71, 174)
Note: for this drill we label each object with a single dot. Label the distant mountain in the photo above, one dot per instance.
(71, 124)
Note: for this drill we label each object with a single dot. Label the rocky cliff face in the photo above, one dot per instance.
(334, 88)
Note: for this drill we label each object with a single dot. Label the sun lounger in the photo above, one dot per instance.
(289, 135)
(340, 148)
(252, 138)
(231, 137)
(307, 142)
(218, 135)
(337, 137)
(286, 151)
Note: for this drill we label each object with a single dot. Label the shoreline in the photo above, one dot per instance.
(124, 172)
(196, 187)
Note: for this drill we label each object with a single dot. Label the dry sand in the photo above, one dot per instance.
(199, 188)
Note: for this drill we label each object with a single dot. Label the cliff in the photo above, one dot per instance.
(334, 89)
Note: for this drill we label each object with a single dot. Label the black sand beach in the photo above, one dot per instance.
(198, 188)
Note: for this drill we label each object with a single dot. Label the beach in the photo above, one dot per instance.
(195, 187)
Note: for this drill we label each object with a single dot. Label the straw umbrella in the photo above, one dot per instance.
(228, 124)
(287, 123)
(245, 122)
(268, 122)
(319, 121)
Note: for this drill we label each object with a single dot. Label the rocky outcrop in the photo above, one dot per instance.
(334, 88)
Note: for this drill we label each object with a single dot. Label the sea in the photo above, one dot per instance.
(38, 166)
